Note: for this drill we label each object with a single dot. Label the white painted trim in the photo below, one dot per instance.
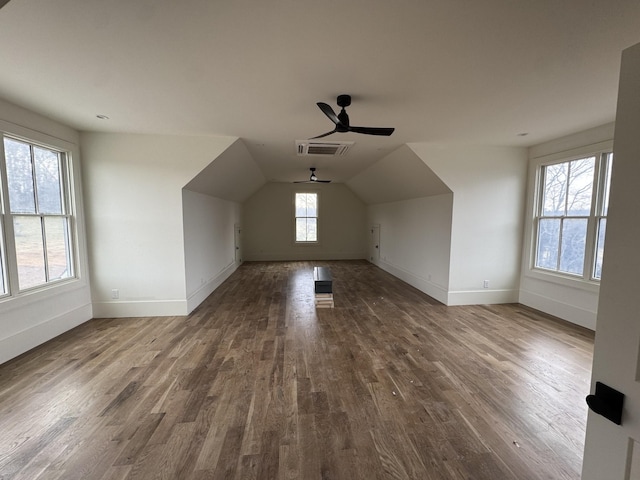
(31, 135)
(571, 144)
(35, 335)
(200, 295)
(482, 297)
(140, 308)
(571, 313)
(301, 256)
(438, 292)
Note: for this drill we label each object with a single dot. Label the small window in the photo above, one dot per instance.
(306, 217)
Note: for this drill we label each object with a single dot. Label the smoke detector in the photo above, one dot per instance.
(320, 147)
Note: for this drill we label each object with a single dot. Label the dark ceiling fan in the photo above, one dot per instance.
(342, 120)
(313, 178)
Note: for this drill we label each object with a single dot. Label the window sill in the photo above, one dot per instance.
(40, 294)
(564, 280)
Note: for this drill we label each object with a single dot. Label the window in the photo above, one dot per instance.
(3, 269)
(571, 216)
(306, 212)
(36, 216)
(601, 216)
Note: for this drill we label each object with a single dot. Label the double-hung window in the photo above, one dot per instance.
(571, 216)
(306, 217)
(37, 249)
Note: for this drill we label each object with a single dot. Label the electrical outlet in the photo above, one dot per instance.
(485, 284)
(115, 294)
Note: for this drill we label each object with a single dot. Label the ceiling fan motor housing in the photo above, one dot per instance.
(344, 100)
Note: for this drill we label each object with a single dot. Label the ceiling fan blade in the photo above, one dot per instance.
(372, 130)
(313, 178)
(325, 134)
(313, 181)
(328, 111)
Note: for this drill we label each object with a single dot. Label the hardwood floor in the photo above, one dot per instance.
(257, 384)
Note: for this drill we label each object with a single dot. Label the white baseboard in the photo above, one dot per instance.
(570, 313)
(25, 340)
(451, 298)
(199, 296)
(482, 297)
(433, 290)
(161, 308)
(142, 308)
(301, 256)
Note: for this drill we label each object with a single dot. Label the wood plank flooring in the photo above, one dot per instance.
(258, 384)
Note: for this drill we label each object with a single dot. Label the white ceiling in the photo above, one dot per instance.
(443, 71)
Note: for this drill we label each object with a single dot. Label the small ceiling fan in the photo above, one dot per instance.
(313, 178)
(342, 120)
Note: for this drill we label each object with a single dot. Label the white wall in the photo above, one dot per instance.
(133, 186)
(27, 320)
(268, 224)
(209, 247)
(415, 239)
(488, 185)
(573, 300)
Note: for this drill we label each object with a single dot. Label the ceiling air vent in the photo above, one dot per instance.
(313, 147)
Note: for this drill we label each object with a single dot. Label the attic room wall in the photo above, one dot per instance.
(133, 186)
(572, 300)
(209, 247)
(268, 225)
(488, 185)
(31, 319)
(415, 241)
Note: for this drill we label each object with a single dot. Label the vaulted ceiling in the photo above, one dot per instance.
(439, 71)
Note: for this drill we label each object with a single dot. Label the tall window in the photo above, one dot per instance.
(306, 211)
(4, 289)
(36, 217)
(571, 216)
(601, 215)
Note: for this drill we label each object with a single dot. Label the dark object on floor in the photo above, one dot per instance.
(322, 280)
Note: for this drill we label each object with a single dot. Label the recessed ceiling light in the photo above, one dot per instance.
(102, 117)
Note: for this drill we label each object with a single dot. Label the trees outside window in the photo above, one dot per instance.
(306, 217)
(571, 216)
(36, 216)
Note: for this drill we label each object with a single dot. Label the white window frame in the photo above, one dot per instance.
(8, 253)
(317, 217)
(602, 154)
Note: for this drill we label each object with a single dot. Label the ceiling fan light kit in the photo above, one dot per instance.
(313, 178)
(341, 120)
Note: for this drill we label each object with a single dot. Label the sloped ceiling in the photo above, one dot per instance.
(233, 175)
(401, 175)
